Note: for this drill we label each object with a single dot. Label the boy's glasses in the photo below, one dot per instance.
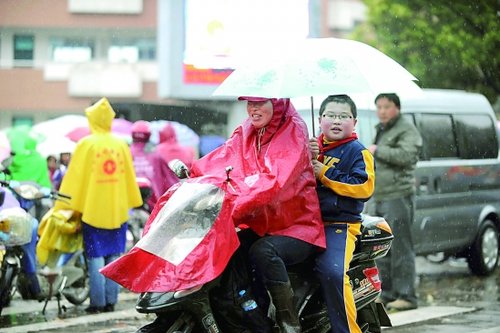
(341, 117)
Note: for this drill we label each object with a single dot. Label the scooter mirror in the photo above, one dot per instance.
(179, 168)
(4, 166)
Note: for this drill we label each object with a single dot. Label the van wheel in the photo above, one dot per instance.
(483, 254)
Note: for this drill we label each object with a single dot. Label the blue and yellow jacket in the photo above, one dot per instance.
(346, 181)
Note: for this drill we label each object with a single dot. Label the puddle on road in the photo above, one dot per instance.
(453, 284)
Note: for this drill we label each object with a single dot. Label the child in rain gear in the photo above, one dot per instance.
(345, 174)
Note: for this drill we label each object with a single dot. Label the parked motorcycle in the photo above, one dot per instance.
(15, 231)
(138, 216)
(70, 279)
(191, 214)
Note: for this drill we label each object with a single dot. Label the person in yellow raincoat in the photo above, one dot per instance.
(101, 182)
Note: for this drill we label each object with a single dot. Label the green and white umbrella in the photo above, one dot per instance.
(318, 66)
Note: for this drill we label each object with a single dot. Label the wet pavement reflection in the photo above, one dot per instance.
(17, 315)
(29, 312)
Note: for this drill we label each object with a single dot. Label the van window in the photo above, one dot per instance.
(476, 136)
(365, 127)
(409, 117)
(438, 136)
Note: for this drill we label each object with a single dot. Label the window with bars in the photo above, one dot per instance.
(24, 46)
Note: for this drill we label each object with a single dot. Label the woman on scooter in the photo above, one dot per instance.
(284, 225)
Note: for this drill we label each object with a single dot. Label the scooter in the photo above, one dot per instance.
(15, 231)
(190, 310)
(69, 279)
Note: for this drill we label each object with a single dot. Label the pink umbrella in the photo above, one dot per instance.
(121, 127)
(78, 133)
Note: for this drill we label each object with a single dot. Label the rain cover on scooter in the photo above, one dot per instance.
(188, 240)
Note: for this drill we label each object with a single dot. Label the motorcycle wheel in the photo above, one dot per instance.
(136, 222)
(6, 285)
(314, 317)
(173, 322)
(372, 318)
(23, 286)
(79, 290)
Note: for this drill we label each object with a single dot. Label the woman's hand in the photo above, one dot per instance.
(314, 147)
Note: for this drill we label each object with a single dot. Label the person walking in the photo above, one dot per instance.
(169, 147)
(101, 182)
(149, 164)
(52, 167)
(396, 150)
(64, 159)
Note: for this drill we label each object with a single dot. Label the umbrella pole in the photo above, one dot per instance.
(312, 116)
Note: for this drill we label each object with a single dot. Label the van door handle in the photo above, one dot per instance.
(437, 185)
(423, 185)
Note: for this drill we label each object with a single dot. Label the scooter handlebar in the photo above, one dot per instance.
(32, 191)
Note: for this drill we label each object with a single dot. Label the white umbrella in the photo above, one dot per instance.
(55, 146)
(60, 126)
(185, 135)
(319, 66)
(4, 146)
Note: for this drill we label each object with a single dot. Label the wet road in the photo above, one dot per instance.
(26, 316)
(451, 284)
(451, 300)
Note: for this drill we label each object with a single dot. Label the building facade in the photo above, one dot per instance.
(59, 56)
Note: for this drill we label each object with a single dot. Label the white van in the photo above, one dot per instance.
(458, 175)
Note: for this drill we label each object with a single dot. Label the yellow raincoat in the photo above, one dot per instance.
(101, 169)
(59, 231)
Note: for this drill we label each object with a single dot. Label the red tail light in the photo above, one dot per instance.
(372, 275)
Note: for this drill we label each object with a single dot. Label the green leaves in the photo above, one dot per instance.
(445, 44)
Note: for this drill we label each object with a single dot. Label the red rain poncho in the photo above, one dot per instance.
(169, 148)
(274, 194)
(151, 166)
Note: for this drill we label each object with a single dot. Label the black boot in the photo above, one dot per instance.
(287, 317)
